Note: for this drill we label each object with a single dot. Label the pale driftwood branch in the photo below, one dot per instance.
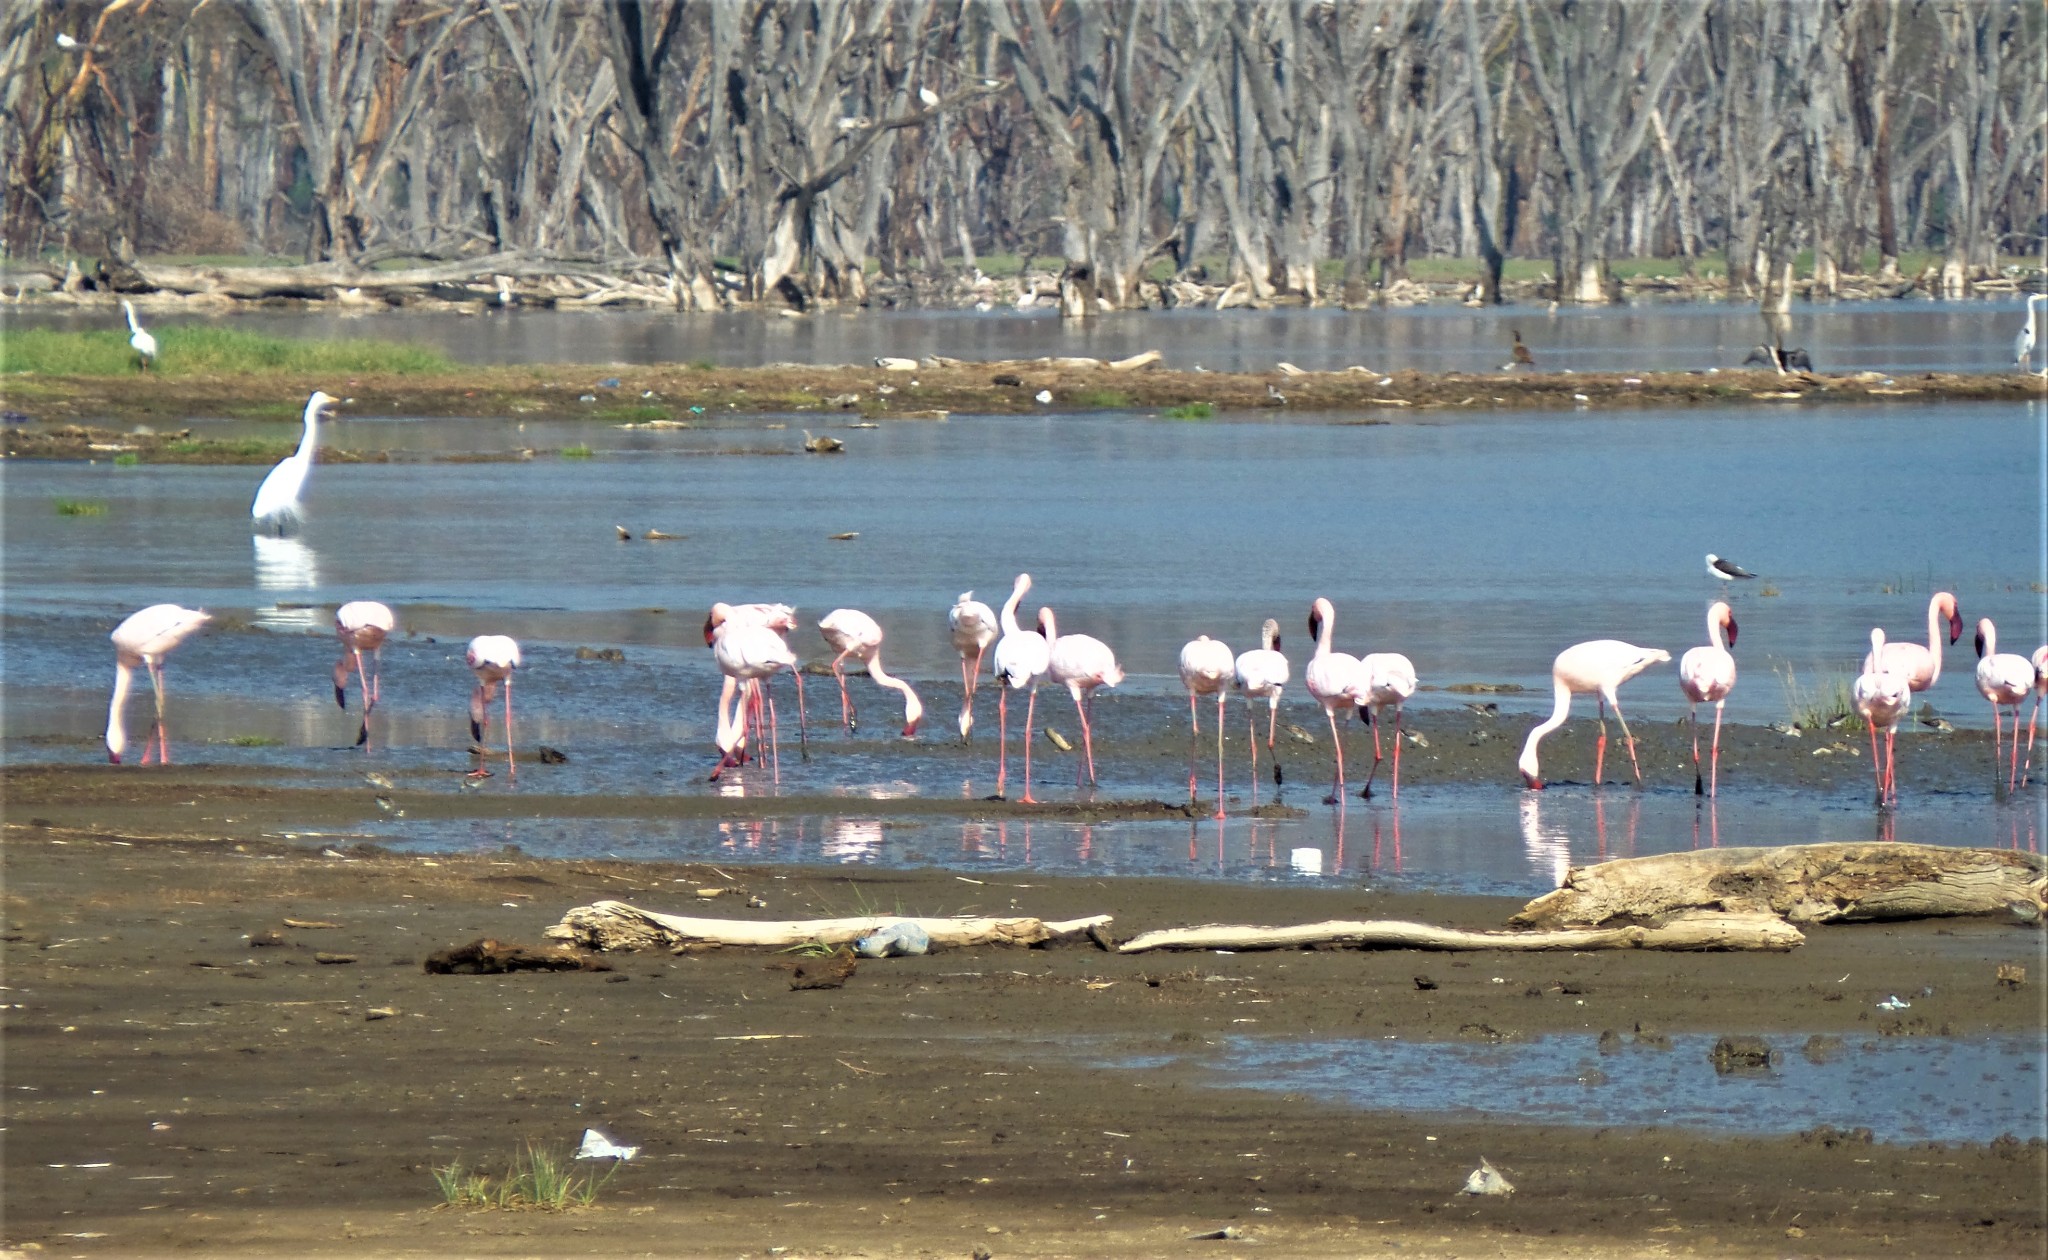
(1683, 932)
(1810, 883)
(322, 279)
(614, 925)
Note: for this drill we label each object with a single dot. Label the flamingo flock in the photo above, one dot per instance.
(750, 646)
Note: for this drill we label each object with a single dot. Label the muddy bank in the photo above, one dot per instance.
(231, 1047)
(66, 417)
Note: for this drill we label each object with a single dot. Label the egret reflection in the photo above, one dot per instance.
(285, 564)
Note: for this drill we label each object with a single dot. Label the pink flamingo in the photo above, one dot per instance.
(1333, 678)
(1206, 666)
(492, 658)
(1081, 663)
(851, 632)
(2040, 662)
(1882, 696)
(1385, 678)
(1920, 666)
(972, 627)
(1595, 667)
(1263, 672)
(1021, 661)
(362, 626)
(2003, 678)
(748, 653)
(1706, 675)
(145, 638)
(731, 732)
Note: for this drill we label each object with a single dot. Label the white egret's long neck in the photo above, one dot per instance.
(305, 450)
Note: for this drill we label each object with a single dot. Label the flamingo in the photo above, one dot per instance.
(1206, 667)
(2022, 343)
(2003, 678)
(1333, 678)
(145, 344)
(850, 632)
(492, 658)
(362, 625)
(1021, 661)
(780, 618)
(1081, 663)
(749, 652)
(277, 499)
(972, 627)
(1386, 678)
(1263, 672)
(1920, 666)
(1595, 667)
(1706, 675)
(1882, 696)
(2040, 661)
(145, 638)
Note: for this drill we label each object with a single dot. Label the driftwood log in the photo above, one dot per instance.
(1810, 883)
(568, 281)
(1695, 932)
(614, 925)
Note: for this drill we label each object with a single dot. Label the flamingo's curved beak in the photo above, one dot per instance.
(910, 731)
(1980, 643)
(1533, 783)
(340, 697)
(113, 758)
(1955, 625)
(1731, 629)
(710, 632)
(1315, 624)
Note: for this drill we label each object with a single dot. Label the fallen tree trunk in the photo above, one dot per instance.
(614, 925)
(1695, 932)
(1809, 883)
(324, 280)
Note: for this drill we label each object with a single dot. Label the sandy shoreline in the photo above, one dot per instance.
(168, 1023)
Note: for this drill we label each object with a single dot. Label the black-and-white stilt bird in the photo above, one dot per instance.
(1726, 570)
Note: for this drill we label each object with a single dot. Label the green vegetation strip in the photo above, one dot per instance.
(198, 350)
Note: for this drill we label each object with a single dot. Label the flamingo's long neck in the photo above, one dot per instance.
(1048, 629)
(1989, 633)
(913, 709)
(1326, 631)
(1009, 617)
(117, 731)
(1562, 709)
(1716, 633)
(1934, 640)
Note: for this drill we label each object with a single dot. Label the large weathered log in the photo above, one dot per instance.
(1694, 932)
(614, 925)
(320, 280)
(1808, 883)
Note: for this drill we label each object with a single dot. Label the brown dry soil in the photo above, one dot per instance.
(217, 1044)
(71, 414)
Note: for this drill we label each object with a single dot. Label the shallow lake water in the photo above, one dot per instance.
(1890, 336)
(1478, 546)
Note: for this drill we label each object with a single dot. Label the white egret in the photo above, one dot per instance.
(145, 345)
(277, 499)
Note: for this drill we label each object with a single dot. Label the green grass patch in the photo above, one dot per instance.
(1108, 399)
(579, 451)
(199, 350)
(1191, 411)
(80, 507)
(236, 448)
(703, 365)
(538, 1180)
(253, 741)
(633, 413)
(1817, 706)
(127, 459)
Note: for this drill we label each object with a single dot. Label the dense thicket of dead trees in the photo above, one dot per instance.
(726, 150)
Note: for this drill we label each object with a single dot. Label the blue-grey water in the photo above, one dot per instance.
(1889, 336)
(1478, 546)
(1903, 1089)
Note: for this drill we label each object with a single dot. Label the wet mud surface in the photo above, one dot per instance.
(219, 1044)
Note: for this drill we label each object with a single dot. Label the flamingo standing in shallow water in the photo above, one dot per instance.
(362, 626)
(732, 727)
(1081, 663)
(492, 658)
(1021, 661)
(145, 638)
(1706, 675)
(1206, 667)
(1333, 678)
(1920, 666)
(1385, 678)
(748, 654)
(972, 627)
(2003, 678)
(1882, 696)
(2040, 663)
(1595, 667)
(1263, 672)
(851, 632)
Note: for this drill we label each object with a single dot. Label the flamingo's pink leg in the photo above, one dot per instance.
(1194, 729)
(1692, 715)
(1397, 754)
(511, 763)
(774, 736)
(1087, 738)
(1030, 710)
(847, 721)
(1714, 781)
(2028, 769)
(1251, 739)
(1337, 741)
(1622, 718)
(1219, 754)
(1003, 734)
(1600, 747)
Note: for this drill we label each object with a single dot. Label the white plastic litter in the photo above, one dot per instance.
(1486, 1179)
(597, 1146)
(895, 940)
(1894, 1003)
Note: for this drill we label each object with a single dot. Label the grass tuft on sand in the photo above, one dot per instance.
(538, 1180)
(197, 349)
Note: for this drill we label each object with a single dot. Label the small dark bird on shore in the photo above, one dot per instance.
(1522, 356)
(1779, 358)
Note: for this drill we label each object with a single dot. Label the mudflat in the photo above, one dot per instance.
(218, 1044)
